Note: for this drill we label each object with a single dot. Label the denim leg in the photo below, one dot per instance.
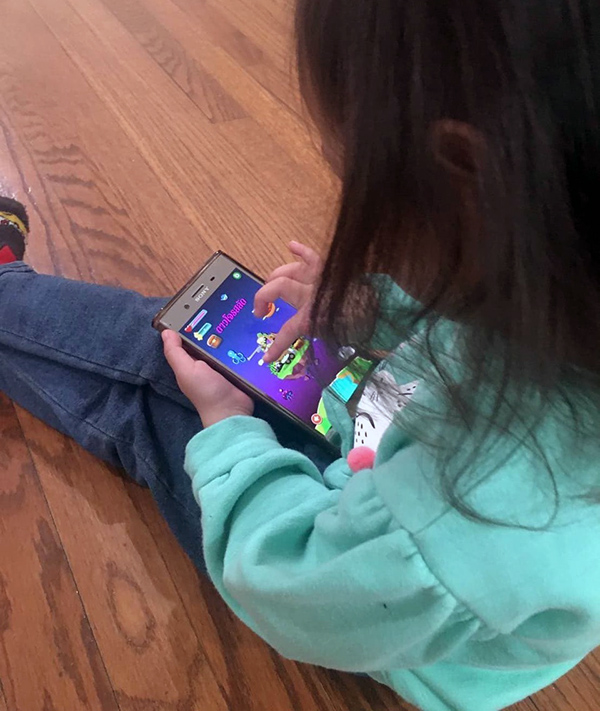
(85, 359)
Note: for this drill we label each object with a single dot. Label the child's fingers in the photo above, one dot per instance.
(289, 332)
(294, 270)
(308, 256)
(176, 357)
(285, 288)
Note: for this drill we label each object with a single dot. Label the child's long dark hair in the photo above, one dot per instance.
(379, 76)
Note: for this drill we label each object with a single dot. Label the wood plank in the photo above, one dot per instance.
(274, 71)
(268, 25)
(203, 89)
(85, 236)
(49, 251)
(198, 28)
(98, 210)
(271, 26)
(253, 142)
(48, 655)
(271, 164)
(578, 691)
(133, 86)
(210, 23)
(152, 654)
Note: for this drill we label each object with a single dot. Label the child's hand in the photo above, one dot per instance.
(295, 283)
(212, 395)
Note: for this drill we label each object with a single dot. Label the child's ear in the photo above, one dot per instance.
(458, 147)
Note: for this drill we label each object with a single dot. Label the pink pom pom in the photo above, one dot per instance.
(361, 458)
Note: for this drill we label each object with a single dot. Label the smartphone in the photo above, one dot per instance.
(213, 313)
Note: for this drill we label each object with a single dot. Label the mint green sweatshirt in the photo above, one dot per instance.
(375, 572)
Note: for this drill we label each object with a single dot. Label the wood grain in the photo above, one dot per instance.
(578, 691)
(150, 648)
(200, 86)
(98, 210)
(142, 135)
(193, 162)
(48, 655)
(200, 29)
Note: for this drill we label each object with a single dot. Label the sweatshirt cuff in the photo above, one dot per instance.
(214, 451)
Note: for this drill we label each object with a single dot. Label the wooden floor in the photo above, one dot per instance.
(143, 135)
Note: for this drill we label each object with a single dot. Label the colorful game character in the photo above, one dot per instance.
(286, 394)
(265, 340)
(293, 364)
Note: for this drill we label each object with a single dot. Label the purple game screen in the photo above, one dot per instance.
(226, 328)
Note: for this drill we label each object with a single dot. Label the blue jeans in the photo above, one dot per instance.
(85, 360)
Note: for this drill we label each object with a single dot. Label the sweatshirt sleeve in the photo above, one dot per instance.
(325, 576)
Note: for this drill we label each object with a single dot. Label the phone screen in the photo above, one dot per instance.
(226, 328)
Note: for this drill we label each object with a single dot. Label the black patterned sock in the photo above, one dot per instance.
(14, 227)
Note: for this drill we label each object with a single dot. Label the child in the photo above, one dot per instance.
(459, 563)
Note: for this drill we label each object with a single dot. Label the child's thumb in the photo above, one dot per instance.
(176, 357)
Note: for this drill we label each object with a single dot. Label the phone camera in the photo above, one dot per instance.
(186, 306)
